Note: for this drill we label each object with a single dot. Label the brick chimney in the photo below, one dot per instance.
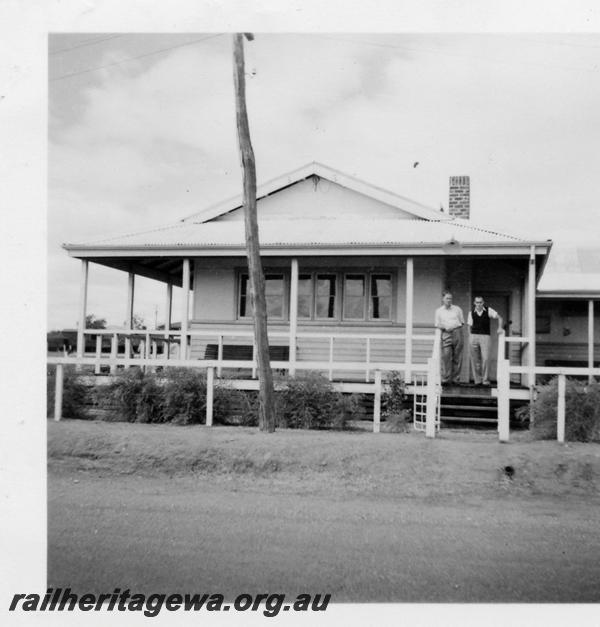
(459, 204)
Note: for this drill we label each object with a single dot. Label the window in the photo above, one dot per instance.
(274, 293)
(543, 317)
(381, 297)
(354, 297)
(542, 323)
(364, 296)
(317, 296)
(244, 298)
(325, 296)
(305, 295)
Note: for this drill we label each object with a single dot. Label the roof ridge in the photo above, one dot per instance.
(133, 233)
(299, 174)
(460, 222)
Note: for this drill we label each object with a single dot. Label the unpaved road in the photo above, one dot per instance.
(212, 534)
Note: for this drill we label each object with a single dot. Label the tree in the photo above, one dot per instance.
(266, 414)
(138, 322)
(92, 322)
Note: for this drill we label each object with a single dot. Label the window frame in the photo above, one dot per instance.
(313, 302)
(365, 296)
(339, 305)
(268, 273)
(390, 276)
(336, 300)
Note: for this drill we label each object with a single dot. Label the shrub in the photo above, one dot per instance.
(177, 395)
(398, 422)
(75, 393)
(582, 411)
(136, 396)
(242, 408)
(394, 401)
(308, 401)
(184, 398)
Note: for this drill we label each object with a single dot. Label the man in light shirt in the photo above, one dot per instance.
(479, 322)
(449, 318)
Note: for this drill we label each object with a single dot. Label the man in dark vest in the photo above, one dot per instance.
(479, 323)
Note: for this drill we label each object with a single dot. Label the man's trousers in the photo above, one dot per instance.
(452, 355)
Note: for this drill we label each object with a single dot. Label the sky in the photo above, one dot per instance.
(142, 132)
(146, 141)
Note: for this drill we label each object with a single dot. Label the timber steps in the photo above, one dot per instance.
(472, 405)
(473, 410)
(469, 404)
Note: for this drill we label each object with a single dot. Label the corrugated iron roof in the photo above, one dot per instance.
(572, 268)
(309, 233)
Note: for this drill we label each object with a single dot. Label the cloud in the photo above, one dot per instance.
(155, 140)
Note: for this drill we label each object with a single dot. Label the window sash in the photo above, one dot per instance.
(354, 305)
(380, 303)
(325, 307)
(244, 297)
(275, 292)
(305, 296)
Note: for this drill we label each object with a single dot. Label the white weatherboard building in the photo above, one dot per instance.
(353, 272)
(340, 257)
(567, 323)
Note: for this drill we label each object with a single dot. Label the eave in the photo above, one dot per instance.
(355, 249)
(572, 295)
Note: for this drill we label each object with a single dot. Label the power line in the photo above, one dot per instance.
(141, 56)
(453, 54)
(87, 42)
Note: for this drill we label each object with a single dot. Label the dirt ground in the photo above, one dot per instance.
(365, 517)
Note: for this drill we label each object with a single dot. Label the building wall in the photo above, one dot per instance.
(313, 200)
(565, 326)
(429, 283)
(215, 310)
(214, 294)
(216, 286)
(500, 282)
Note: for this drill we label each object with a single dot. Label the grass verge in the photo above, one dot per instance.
(454, 464)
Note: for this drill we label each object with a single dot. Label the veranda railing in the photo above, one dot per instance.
(374, 370)
(150, 358)
(504, 392)
(151, 339)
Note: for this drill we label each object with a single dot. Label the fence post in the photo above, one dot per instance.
(377, 403)
(501, 353)
(210, 376)
(220, 354)
(58, 393)
(503, 377)
(293, 316)
(127, 354)
(154, 352)
(431, 394)
(113, 352)
(560, 425)
(98, 353)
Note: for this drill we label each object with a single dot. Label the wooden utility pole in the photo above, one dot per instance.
(266, 413)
